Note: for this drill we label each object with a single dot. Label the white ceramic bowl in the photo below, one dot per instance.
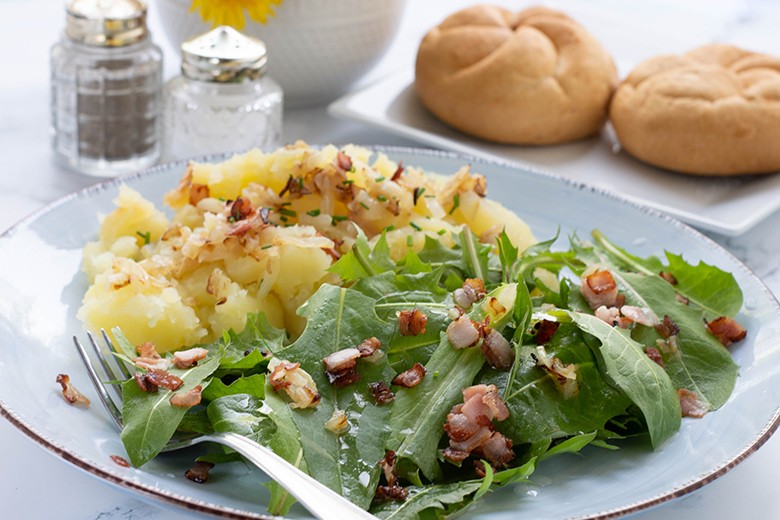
(316, 48)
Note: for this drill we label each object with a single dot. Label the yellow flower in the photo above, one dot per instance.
(231, 12)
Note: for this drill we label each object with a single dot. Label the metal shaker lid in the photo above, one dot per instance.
(223, 55)
(106, 23)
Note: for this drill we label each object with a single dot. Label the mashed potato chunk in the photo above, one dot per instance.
(258, 232)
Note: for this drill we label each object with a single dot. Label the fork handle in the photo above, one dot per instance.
(317, 498)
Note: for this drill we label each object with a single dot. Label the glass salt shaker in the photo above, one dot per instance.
(223, 100)
(106, 89)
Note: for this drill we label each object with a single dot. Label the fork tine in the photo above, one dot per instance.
(102, 357)
(105, 398)
(121, 364)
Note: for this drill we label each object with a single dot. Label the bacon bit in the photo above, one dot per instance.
(654, 354)
(346, 192)
(398, 172)
(240, 209)
(691, 405)
(295, 381)
(187, 399)
(412, 323)
(470, 429)
(369, 347)
(218, 285)
(392, 491)
(668, 345)
(164, 379)
(198, 192)
(388, 493)
(667, 327)
(411, 377)
(727, 330)
(143, 382)
(70, 393)
(337, 423)
(545, 330)
(343, 161)
(187, 358)
(258, 220)
(472, 291)
(682, 299)
(344, 378)
(295, 187)
(497, 351)
(463, 333)
(669, 277)
(341, 360)
(641, 315)
(381, 392)
(147, 350)
(119, 461)
(200, 472)
(599, 288)
(388, 465)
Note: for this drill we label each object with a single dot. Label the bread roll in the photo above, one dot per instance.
(713, 111)
(532, 77)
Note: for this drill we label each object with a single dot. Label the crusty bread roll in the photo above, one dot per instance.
(713, 111)
(532, 77)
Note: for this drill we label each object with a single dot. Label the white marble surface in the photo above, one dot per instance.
(36, 484)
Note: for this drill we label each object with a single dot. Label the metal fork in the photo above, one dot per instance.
(318, 499)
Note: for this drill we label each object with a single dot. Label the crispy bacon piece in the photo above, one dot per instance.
(545, 330)
(411, 377)
(381, 392)
(564, 376)
(341, 360)
(240, 209)
(398, 172)
(642, 315)
(463, 333)
(669, 277)
(497, 350)
(295, 187)
(472, 291)
(119, 461)
(70, 393)
(343, 161)
(392, 491)
(164, 379)
(198, 192)
(187, 399)
(654, 354)
(470, 429)
(258, 220)
(188, 358)
(149, 359)
(691, 405)
(412, 323)
(147, 350)
(599, 288)
(199, 472)
(143, 382)
(369, 347)
(667, 327)
(727, 330)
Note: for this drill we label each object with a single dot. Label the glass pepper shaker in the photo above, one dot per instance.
(223, 100)
(106, 89)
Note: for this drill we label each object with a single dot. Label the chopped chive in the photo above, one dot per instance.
(335, 219)
(409, 240)
(381, 198)
(300, 183)
(440, 232)
(455, 203)
(288, 212)
(146, 236)
(390, 227)
(415, 226)
(347, 182)
(267, 246)
(364, 205)
(313, 213)
(379, 179)
(283, 204)
(283, 218)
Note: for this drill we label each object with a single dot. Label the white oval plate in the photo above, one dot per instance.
(42, 287)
